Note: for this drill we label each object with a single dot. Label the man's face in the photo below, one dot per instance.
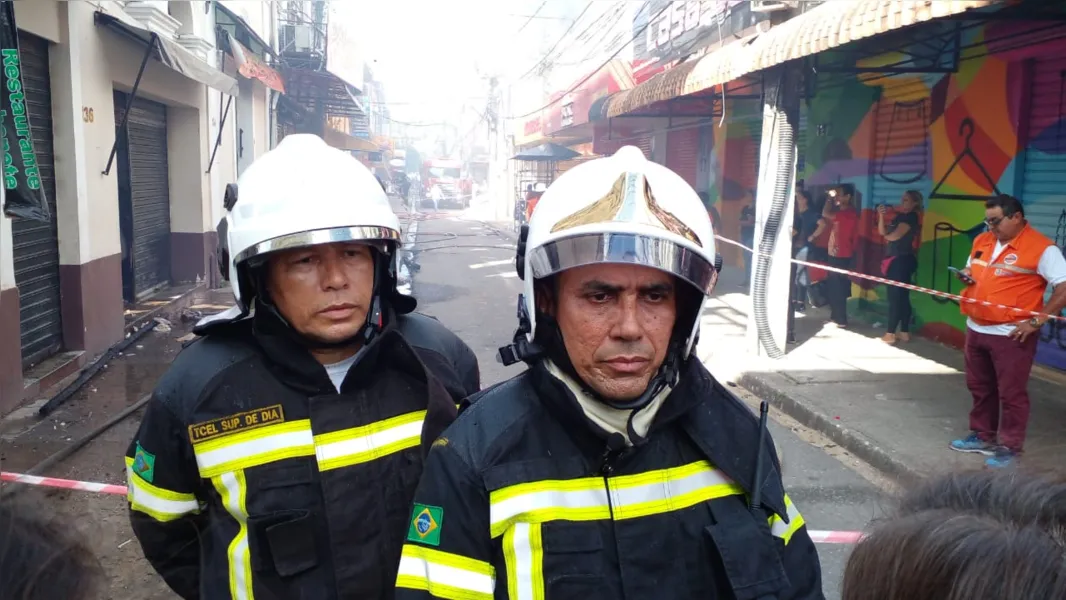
(1004, 228)
(616, 322)
(323, 291)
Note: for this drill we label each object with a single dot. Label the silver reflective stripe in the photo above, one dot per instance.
(320, 236)
(1013, 269)
(624, 248)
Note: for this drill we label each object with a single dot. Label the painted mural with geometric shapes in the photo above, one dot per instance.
(998, 124)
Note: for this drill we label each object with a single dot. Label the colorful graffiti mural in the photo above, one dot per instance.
(996, 125)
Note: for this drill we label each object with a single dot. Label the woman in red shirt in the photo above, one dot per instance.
(843, 241)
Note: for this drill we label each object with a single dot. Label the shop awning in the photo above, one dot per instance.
(343, 141)
(170, 53)
(824, 27)
(322, 92)
(235, 25)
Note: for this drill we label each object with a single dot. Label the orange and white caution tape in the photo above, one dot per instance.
(819, 537)
(66, 484)
(909, 286)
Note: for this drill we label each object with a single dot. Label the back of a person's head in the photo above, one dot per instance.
(41, 560)
(992, 535)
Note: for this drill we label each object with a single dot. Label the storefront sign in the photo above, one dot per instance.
(22, 177)
(567, 117)
(532, 127)
(251, 66)
(682, 27)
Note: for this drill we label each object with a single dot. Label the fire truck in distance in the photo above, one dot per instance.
(445, 174)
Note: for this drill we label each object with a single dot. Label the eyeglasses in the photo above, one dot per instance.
(995, 221)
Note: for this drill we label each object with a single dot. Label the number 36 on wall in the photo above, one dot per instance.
(87, 114)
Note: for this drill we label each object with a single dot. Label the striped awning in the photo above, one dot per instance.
(828, 26)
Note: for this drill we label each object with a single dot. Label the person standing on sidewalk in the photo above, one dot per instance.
(900, 262)
(278, 455)
(843, 220)
(615, 466)
(1011, 264)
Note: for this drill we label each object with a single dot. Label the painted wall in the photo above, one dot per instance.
(975, 123)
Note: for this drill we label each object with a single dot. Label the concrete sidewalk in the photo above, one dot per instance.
(896, 407)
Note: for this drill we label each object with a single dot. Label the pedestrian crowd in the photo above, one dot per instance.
(323, 439)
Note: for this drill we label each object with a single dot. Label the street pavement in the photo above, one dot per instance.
(468, 281)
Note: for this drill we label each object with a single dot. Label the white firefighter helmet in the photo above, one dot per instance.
(620, 209)
(303, 193)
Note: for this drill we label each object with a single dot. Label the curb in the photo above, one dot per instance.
(168, 310)
(846, 438)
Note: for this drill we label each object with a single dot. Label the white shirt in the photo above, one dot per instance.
(339, 370)
(1052, 267)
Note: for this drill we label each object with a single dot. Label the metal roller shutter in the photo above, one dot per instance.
(1044, 178)
(801, 143)
(149, 184)
(901, 145)
(750, 157)
(36, 244)
(683, 153)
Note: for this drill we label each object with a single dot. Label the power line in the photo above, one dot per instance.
(605, 31)
(596, 70)
(557, 42)
(531, 17)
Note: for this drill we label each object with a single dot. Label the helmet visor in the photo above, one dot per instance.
(623, 248)
(317, 237)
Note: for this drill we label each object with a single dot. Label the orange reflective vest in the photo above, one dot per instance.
(1010, 279)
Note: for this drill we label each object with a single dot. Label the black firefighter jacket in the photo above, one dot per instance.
(522, 498)
(251, 477)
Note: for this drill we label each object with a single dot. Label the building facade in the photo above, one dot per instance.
(128, 105)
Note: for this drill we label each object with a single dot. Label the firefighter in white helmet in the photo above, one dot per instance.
(616, 466)
(279, 454)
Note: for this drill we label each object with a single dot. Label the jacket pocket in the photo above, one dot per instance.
(574, 564)
(749, 553)
(282, 542)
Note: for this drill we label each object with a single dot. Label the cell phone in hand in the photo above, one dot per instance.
(963, 277)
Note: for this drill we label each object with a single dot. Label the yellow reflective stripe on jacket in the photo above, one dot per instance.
(233, 489)
(161, 504)
(783, 530)
(523, 553)
(254, 447)
(585, 499)
(445, 575)
(363, 444)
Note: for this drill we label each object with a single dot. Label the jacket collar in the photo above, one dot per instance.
(295, 363)
(560, 400)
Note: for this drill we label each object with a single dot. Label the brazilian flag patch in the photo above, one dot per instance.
(144, 464)
(425, 525)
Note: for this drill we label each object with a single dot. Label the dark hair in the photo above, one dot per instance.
(1011, 206)
(40, 559)
(848, 189)
(806, 195)
(978, 534)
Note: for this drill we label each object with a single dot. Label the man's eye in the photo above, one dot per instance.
(655, 296)
(599, 297)
(303, 260)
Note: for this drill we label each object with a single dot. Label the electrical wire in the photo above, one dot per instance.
(547, 55)
(531, 17)
(597, 70)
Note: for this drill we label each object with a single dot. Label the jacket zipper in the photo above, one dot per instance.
(606, 469)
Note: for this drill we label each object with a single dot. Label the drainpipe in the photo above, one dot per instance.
(768, 321)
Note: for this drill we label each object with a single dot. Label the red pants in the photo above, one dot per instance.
(997, 373)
